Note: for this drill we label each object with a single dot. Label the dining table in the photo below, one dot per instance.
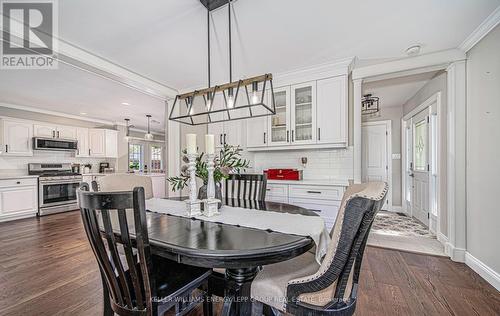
(240, 250)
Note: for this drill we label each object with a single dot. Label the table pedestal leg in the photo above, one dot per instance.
(237, 292)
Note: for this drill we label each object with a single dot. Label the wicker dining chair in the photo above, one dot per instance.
(301, 286)
(246, 187)
(135, 282)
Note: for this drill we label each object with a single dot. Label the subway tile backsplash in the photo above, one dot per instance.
(322, 164)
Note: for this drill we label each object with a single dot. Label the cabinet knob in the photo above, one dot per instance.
(18, 182)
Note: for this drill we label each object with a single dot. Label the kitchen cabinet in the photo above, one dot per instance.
(331, 111)
(229, 132)
(16, 137)
(257, 132)
(54, 131)
(82, 137)
(111, 143)
(279, 124)
(97, 142)
(322, 199)
(18, 198)
(303, 113)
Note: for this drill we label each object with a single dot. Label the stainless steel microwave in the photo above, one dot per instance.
(59, 144)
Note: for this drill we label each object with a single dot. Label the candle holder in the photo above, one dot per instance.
(211, 204)
(193, 205)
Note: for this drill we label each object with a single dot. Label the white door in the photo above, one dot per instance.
(111, 143)
(66, 132)
(375, 160)
(217, 129)
(48, 131)
(257, 132)
(303, 113)
(331, 110)
(233, 131)
(279, 124)
(82, 137)
(420, 167)
(97, 142)
(17, 138)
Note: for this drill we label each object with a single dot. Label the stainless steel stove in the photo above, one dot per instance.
(57, 185)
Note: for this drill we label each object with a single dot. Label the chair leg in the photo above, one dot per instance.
(207, 301)
(107, 311)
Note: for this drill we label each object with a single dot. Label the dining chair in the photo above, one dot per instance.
(136, 283)
(301, 286)
(246, 187)
(124, 182)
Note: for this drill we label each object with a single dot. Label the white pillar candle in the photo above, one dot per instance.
(191, 143)
(210, 144)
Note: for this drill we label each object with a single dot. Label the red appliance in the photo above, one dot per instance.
(283, 174)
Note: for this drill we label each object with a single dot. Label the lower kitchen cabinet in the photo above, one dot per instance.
(18, 198)
(322, 199)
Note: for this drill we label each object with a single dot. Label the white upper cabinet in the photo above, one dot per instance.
(257, 132)
(66, 132)
(303, 113)
(48, 131)
(332, 112)
(229, 132)
(97, 142)
(54, 131)
(279, 124)
(111, 145)
(217, 129)
(16, 138)
(82, 137)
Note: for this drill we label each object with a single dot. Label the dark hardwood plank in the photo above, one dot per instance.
(47, 268)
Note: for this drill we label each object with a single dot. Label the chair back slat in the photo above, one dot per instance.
(249, 187)
(109, 229)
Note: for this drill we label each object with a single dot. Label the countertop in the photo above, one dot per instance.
(6, 176)
(327, 182)
(154, 174)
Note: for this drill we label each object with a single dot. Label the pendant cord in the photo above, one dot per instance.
(230, 44)
(208, 37)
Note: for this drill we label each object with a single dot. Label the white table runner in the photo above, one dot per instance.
(302, 225)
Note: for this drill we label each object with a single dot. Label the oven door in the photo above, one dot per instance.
(58, 192)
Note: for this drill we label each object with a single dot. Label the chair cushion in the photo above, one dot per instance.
(126, 182)
(269, 287)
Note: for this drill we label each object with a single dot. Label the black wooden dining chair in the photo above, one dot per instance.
(301, 286)
(135, 282)
(246, 187)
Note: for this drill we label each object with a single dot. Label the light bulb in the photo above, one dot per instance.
(230, 98)
(149, 136)
(209, 102)
(255, 93)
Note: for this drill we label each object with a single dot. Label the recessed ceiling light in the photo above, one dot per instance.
(83, 113)
(125, 103)
(413, 50)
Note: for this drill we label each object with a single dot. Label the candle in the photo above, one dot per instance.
(210, 144)
(191, 143)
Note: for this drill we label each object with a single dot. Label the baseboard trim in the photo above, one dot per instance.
(455, 254)
(487, 273)
(442, 238)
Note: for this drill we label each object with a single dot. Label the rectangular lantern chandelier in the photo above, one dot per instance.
(235, 100)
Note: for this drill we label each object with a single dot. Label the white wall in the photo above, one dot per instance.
(394, 114)
(436, 84)
(483, 150)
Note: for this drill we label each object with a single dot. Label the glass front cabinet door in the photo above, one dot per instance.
(303, 113)
(279, 124)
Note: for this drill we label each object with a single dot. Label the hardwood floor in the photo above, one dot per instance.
(47, 268)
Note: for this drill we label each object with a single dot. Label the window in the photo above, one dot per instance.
(135, 157)
(156, 157)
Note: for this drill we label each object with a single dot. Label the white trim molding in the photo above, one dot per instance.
(487, 273)
(438, 60)
(358, 94)
(481, 31)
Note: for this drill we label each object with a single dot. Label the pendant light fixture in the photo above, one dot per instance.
(127, 131)
(148, 135)
(234, 100)
(369, 104)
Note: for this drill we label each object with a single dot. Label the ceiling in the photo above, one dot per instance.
(396, 91)
(165, 40)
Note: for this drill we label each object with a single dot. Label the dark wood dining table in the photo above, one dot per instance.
(240, 250)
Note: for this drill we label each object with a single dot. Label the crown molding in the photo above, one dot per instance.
(481, 31)
(437, 60)
(60, 114)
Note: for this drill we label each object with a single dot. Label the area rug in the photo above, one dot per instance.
(398, 224)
